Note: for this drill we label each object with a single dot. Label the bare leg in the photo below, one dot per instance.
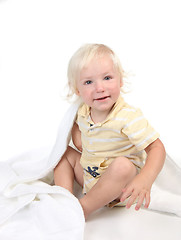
(68, 169)
(120, 172)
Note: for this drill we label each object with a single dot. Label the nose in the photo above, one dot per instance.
(99, 86)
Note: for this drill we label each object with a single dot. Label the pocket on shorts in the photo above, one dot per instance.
(105, 163)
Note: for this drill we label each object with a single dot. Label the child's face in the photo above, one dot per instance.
(99, 85)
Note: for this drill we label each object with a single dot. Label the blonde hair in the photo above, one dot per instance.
(82, 58)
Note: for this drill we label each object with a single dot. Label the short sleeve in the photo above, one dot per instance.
(138, 130)
(76, 119)
(78, 116)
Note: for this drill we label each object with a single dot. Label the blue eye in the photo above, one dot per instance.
(107, 78)
(88, 82)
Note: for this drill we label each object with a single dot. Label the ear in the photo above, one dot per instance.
(77, 92)
(121, 82)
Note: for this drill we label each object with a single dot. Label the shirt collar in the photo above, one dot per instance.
(84, 111)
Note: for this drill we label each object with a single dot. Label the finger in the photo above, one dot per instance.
(127, 192)
(132, 199)
(141, 198)
(121, 195)
(147, 200)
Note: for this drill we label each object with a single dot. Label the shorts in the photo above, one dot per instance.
(93, 169)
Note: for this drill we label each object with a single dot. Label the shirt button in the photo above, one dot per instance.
(106, 158)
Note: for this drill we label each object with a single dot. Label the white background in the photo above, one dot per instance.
(37, 39)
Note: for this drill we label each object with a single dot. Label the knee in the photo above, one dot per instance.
(122, 167)
(72, 156)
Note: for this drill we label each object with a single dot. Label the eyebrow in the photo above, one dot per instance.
(107, 73)
(90, 77)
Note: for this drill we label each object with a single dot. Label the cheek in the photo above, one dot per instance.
(116, 87)
(85, 94)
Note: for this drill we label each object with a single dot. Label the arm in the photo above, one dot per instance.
(140, 186)
(155, 159)
(76, 137)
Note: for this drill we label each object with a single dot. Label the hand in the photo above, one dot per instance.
(139, 188)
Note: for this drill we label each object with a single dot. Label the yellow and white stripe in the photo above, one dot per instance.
(125, 132)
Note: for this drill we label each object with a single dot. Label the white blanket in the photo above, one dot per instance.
(31, 208)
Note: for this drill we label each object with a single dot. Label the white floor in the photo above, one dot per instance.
(125, 224)
(120, 223)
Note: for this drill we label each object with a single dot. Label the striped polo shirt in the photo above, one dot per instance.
(125, 132)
